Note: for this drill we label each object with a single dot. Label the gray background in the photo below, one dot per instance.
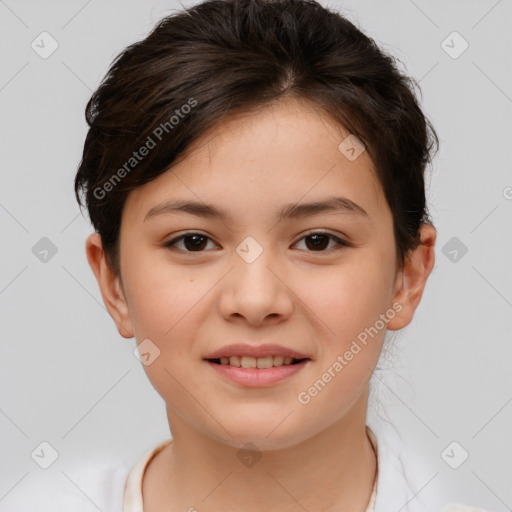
(68, 378)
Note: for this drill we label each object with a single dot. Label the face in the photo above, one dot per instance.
(321, 282)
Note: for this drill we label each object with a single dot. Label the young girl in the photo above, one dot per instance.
(254, 171)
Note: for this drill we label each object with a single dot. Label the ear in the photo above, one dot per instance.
(411, 280)
(110, 286)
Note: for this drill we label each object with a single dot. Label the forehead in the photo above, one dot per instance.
(285, 153)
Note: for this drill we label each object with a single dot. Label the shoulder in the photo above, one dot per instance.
(83, 488)
(406, 481)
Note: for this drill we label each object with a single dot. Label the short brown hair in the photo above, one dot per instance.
(224, 56)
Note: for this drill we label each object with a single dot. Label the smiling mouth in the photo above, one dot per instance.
(256, 362)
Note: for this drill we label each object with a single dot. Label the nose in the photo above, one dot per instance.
(257, 289)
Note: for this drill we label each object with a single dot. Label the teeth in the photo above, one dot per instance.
(265, 362)
(278, 360)
(233, 361)
(248, 362)
(256, 362)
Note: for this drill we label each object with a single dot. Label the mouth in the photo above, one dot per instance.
(261, 363)
(257, 372)
(253, 366)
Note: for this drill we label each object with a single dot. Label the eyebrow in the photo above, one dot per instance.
(289, 211)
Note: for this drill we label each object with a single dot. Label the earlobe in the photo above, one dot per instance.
(411, 280)
(110, 286)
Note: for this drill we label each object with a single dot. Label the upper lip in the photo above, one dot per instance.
(241, 349)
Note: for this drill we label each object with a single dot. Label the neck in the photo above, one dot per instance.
(331, 471)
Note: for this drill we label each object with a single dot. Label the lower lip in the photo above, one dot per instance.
(258, 377)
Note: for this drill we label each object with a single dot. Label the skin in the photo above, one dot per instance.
(314, 456)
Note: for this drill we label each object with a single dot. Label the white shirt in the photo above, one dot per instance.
(116, 488)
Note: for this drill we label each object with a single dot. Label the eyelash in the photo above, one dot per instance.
(341, 243)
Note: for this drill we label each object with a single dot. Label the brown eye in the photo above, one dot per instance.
(315, 242)
(319, 241)
(193, 242)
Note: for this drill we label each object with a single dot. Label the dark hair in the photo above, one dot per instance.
(222, 57)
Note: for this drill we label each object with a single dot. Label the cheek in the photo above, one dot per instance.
(161, 306)
(161, 296)
(350, 332)
(350, 336)
(349, 297)
(165, 307)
